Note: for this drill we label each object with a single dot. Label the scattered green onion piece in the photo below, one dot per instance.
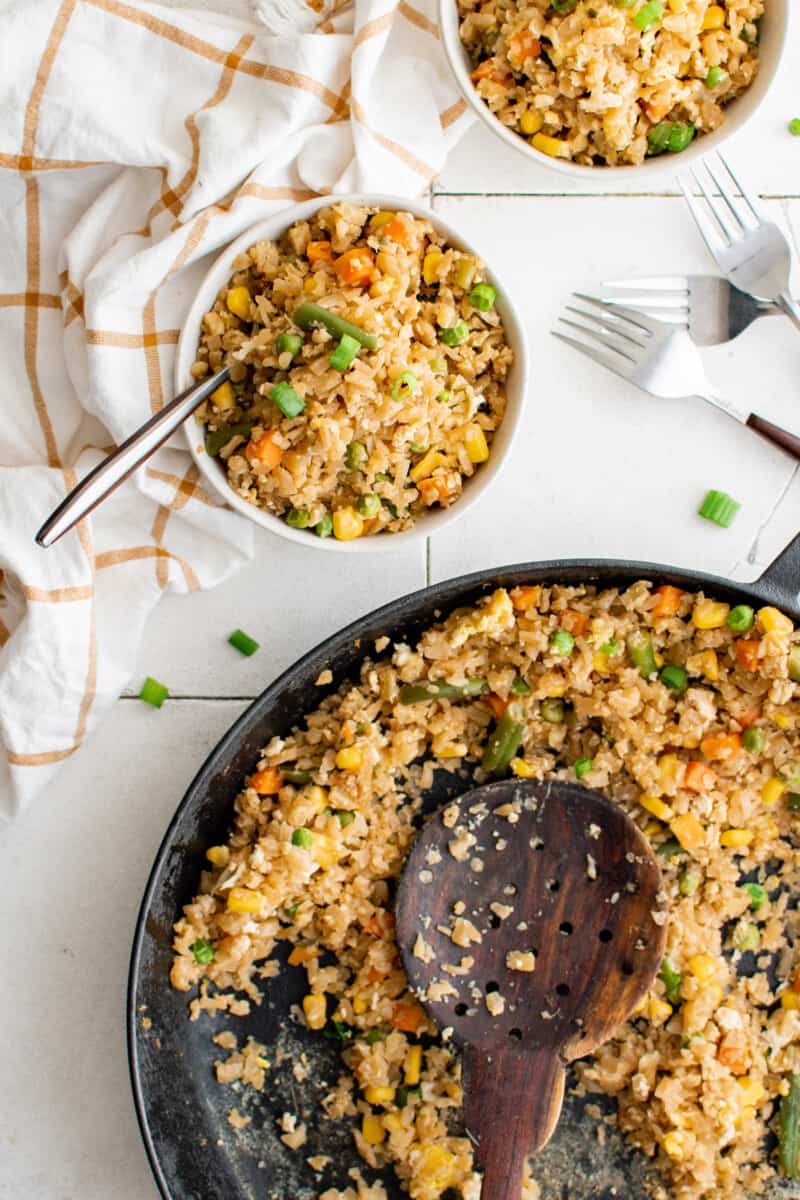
(418, 448)
(324, 526)
(582, 767)
(290, 911)
(374, 1035)
(747, 937)
(720, 508)
(438, 364)
(552, 710)
(216, 439)
(382, 477)
(789, 1131)
(793, 801)
(390, 508)
(405, 385)
(337, 1031)
(674, 678)
(758, 895)
(754, 739)
(298, 518)
(648, 15)
(345, 353)
(688, 881)
(671, 979)
(308, 315)
(456, 335)
(640, 648)
(203, 951)
(483, 296)
(611, 649)
(355, 456)
(692, 1037)
(296, 776)
(345, 817)
(302, 838)
(369, 506)
(741, 618)
(794, 664)
(289, 343)
(794, 127)
(153, 692)
(562, 643)
(243, 642)
(520, 688)
(287, 399)
(404, 1092)
(506, 739)
(442, 397)
(715, 77)
(418, 693)
(669, 847)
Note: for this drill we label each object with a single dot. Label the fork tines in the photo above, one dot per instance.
(720, 221)
(616, 337)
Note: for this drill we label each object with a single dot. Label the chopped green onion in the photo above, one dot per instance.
(794, 664)
(692, 1037)
(324, 526)
(562, 643)
(688, 881)
(754, 739)
(296, 776)
(243, 642)
(374, 1035)
(355, 456)
(345, 817)
(404, 386)
(302, 838)
(153, 692)
(674, 678)
(669, 847)
(202, 950)
(747, 937)
(289, 343)
(483, 296)
(794, 127)
(404, 1092)
(418, 693)
(520, 688)
(789, 1131)
(308, 315)
(506, 739)
(337, 1030)
(741, 618)
(758, 895)
(671, 979)
(720, 508)
(382, 477)
(552, 710)
(287, 399)
(345, 353)
(390, 508)
(442, 397)
(648, 15)
(438, 364)
(456, 335)
(669, 136)
(298, 518)
(369, 506)
(217, 439)
(640, 648)
(290, 911)
(611, 649)
(793, 801)
(582, 767)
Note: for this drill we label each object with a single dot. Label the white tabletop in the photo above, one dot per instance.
(74, 867)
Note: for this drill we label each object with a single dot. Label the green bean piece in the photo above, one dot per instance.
(324, 526)
(506, 739)
(789, 1131)
(671, 979)
(355, 456)
(308, 315)
(674, 678)
(640, 648)
(758, 895)
(217, 439)
(298, 518)
(203, 951)
(292, 776)
(754, 739)
(669, 847)
(345, 353)
(552, 710)
(419, 693)
(290, 402)
(793, 663)
(289, 343)
(688, 881)
(520, 688)
(648, 15)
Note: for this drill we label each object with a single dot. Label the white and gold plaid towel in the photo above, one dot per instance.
(135, 141)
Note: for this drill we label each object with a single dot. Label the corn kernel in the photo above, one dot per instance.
(314, 1010)
(382, 287)
(659, 659)
(790, 1000)
(746, 1115)
(310, 284)
(452, 750)
(714, 18)
(324, 850)
(376, 1094)
(244, 900)
(674, 1144)
(302, 954)
(224, 397)
(349, 758)
(453, 1090)
(710, 614)
(522, 769)
(427, 465)
(430, 265)
(600, 664)
(657, 807)
(475, 444)
(652, 829)
(678, 6)
(771, 829)
(347, 524)
(658, 1010)
(413, 1065)
(703, 967)
(772, 620)
(552, 147)
(736, 837)
(669, 766)
(317, 797)
(380, 219)
(706, 664)
(772, 791)
(393, 1122)
(238, 302)
(531, 122)
(436, 1166)
(218, 855)
(264, 1063)
(372, 1130)
(688, 831)
(360, 1005)
(783, 720)
(753, 1091)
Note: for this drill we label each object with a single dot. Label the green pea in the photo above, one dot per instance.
(562, 643)
(552, 710)
(688, 881)
(715, 77)
(794, 127)
(302, 838)
(754, 739)
(298, 518)
(324, 526)
(289, 343)
(741, 618)
(355, 456)
(369, 506)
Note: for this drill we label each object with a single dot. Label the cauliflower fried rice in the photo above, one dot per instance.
(679, 709)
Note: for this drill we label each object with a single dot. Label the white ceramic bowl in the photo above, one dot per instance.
(774, 27)
(427, 523)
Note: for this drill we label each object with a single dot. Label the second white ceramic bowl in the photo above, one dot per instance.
(774, 27)
(427, 523)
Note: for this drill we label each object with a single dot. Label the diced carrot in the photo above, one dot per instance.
(380, 924)
(319, 252)
(497, 704)
(688, 831)
(265, 449)
(576, 622)
(407, 1017)
(435, 489)
(732, 1053)
(266, 782)
(796, 982)
(698, 777)
(376, 975)
(401, 230)
(302, 954)
(747, 717)
(721, 745)
(747, 654)
(355, 266)
(524, 45)
(490, 70)
(668, 601)
(525, 597)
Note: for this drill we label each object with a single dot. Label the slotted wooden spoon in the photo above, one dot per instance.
(582, 886)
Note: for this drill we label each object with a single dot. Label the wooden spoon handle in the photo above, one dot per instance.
(512, 1102)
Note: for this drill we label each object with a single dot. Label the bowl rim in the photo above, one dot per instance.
(516, 388)
(737, 114)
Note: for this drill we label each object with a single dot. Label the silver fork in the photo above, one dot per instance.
(711, 308)
(660, 359)
(750, 250)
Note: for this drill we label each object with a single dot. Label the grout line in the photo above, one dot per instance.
(592, 195)
(184, 696)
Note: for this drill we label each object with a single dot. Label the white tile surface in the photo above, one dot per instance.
(599, 470)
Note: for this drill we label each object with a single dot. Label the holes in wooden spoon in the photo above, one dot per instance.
(562, 989)
(515, 1034)
(553, 885)
(460, 1009)
(494, 921)
(566, 927)
(492, 986)
(605, 935)
(627, 968)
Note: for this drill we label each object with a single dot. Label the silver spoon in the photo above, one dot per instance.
(108, 475)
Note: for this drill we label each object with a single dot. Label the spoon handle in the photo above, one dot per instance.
(110, 473)
(512, 1102)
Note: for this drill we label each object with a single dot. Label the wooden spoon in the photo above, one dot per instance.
(519, 875)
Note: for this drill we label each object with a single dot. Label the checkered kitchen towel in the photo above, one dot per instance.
(135, 141)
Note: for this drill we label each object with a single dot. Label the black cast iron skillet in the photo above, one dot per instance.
(194, 1152)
